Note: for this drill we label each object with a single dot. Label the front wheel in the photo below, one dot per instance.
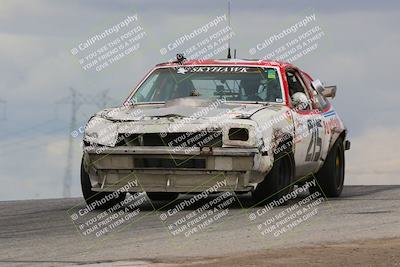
(100, 200)
(331, 176)
(277, 182)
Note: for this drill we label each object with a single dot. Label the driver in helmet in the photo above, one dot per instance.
(250, 87)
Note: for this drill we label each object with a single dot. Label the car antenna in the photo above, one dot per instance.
(229, 25)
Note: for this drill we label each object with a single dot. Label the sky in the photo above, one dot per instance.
(358, 52)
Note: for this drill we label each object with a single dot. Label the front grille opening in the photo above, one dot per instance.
(241, 134)
(128, 140)
(166, 163)
(180, 139)
(152, 139)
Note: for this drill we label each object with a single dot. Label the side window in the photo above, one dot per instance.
(296, 85)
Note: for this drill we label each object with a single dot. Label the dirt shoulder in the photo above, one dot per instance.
(377, 252)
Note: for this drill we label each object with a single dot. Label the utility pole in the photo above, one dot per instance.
(104, 98)
(75, 104)
(4, 109)
(76, 100)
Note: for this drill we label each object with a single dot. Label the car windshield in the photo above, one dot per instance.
(233, 83)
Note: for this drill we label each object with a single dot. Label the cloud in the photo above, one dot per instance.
(35, 169)
(374, 157)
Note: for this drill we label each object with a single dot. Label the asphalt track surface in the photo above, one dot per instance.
(41, 232)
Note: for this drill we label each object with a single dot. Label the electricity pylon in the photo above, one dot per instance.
(76, 100)
(4, 109)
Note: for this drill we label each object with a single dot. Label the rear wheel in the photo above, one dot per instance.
(331, 176)
(162, 196)
(103, 200)
(277, 182)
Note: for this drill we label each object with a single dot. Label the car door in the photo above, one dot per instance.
(325, 115)
(308, 127)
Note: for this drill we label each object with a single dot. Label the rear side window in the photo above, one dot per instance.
(296, 85)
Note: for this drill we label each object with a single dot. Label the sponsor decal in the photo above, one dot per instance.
(271, 74)
(223, 69)
(332, 123)
(315, 145)
(329, 113)
(181, 71)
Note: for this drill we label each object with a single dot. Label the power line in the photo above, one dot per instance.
(25, 148)
(21, 141)
(23, 131)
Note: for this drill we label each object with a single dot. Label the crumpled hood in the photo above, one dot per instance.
(182, 107)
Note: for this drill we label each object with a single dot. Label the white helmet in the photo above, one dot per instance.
(300, 100)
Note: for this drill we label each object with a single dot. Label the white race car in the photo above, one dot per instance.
(243, 125)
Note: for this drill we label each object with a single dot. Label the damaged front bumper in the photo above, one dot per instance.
(166, 169)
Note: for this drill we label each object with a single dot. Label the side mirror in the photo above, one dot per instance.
(327, 91)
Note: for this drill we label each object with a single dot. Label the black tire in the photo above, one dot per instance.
(277, 182)
(331, 175)
(162, 196)
(93, 196)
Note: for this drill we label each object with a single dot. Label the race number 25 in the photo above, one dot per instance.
(314, 148)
